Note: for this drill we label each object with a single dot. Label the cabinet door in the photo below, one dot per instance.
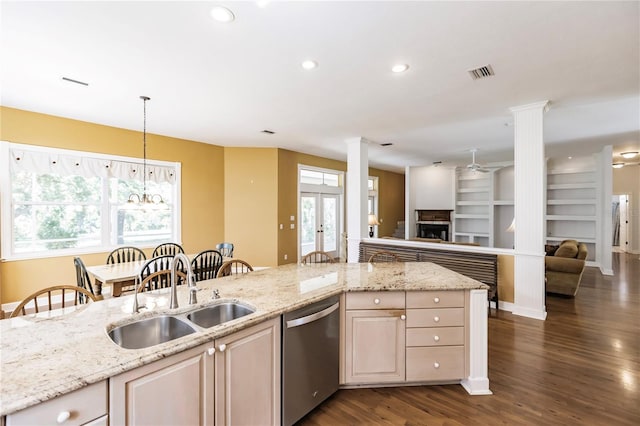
(374, 346)
(177, 390)
(247, 376)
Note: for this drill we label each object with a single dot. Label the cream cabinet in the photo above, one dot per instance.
(86, 406)
(374, 337)
(247, 376)
(177, 390)
(391, 337)
(435, 335)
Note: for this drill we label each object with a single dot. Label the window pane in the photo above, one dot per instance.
(330, 179)
(40, 228)
(142, 227)
(311, 176)
(60, 189)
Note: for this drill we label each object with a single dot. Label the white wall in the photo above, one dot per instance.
(433, 188)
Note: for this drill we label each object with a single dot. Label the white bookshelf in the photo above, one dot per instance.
(572, 206)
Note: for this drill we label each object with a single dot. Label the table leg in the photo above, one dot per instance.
(98, 284)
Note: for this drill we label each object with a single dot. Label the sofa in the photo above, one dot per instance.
(564, 265)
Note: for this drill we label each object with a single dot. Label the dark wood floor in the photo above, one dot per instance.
(579, 367)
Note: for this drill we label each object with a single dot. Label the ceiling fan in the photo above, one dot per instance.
(475, 167)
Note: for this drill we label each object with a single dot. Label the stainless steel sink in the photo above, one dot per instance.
(219, 313)
(150, 332)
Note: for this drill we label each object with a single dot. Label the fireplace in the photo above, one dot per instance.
(434, 224)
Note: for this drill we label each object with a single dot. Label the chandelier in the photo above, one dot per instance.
(145, 200)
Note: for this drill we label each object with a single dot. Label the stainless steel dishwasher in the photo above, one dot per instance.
(310, 357)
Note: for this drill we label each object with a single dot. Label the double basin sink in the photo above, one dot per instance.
(164, 328)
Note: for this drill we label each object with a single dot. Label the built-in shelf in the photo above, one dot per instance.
(479, 189)
(472, 203)
(581, 240)
(472, 234)
(583, 185)
(503, 203)
(472, 216)
(570, 217)
(580, 201)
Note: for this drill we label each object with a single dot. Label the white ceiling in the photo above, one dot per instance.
(224, 83)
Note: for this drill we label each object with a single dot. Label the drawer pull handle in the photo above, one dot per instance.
(436, 300)
(211, 351)
(403, 317)
(436, 319)
(436, 365)
(376, 301)
(222, 347)
(63, 416)
(436, 338)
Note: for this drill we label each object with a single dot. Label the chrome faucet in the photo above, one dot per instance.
(191, 282)
(136, 308)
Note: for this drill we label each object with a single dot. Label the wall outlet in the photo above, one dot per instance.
(292, 218)
(285, 257)
(281, 226)
(293, 226)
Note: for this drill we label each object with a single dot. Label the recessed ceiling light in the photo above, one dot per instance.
(309, 64)
(629, 154)
(222, 14)
(618, 165)
(400, 68)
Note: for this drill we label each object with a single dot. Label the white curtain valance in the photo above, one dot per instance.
(77, 165)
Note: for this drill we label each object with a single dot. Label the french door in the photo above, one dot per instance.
(320, 223)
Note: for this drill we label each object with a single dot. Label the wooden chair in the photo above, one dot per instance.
(317, 257)
(232, 267)
(167, 248)
(383, 256)
(225, 249)
(206, 264)
(125, 254)
(80, 296)
(82, 277)
(159, 264)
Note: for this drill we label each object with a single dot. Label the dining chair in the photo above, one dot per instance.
(225, 249)
(232, 267)
(160, 279)
(206, 264)
(167, 248)
(82, 277)
(152, 269)
(125, 254)
(80, 296)
(317, 257)
(383, 256)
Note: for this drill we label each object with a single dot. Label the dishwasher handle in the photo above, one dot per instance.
(313, 317)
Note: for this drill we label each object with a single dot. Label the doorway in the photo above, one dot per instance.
(320, 223)
(620, 225)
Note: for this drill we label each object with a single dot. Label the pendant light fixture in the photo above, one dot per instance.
(145, 201)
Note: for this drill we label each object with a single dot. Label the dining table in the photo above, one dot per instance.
(121, 275)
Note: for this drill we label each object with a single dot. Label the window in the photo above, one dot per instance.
(59, 202)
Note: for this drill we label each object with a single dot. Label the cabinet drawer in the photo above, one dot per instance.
(435, 299)
(375, 300)
(435, 336)
(443, 363)
(83, 405)
(447, 317)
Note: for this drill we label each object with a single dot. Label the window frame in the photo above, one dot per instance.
(6, 202)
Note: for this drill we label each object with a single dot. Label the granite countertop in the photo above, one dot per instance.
(49, 354)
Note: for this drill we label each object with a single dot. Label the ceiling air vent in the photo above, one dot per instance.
(482, 72)
(268, 132)
(386, 144)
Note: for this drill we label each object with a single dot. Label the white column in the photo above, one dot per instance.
(357, 191)
(604, 216)
(478, 381)
(409, 203)
(529, 210)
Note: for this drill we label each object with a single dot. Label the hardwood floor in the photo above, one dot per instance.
(579, 367)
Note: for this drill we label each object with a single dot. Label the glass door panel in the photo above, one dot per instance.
(308, 226)
(320, 226)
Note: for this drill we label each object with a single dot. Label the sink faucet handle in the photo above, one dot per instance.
(216, 294)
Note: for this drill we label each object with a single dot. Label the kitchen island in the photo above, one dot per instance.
(48, 355)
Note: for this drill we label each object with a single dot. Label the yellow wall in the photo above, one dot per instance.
(505, 278)
(202, 187)
(251, 204)
(239, 195)
(391, 205)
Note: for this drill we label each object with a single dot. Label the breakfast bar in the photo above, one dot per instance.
(48, 355)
